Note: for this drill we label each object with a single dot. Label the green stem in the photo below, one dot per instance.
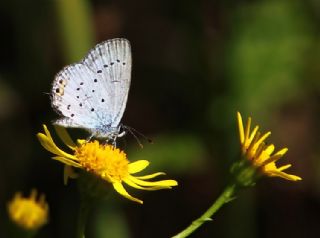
(82, 219)
(226, 196)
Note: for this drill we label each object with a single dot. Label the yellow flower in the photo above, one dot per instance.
(260, 154)
(28, 213)
(105, 161)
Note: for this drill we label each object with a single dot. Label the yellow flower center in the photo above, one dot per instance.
(105, 161)
(27, 212)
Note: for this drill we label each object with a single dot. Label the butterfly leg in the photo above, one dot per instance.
(89, 138)
(123, 133)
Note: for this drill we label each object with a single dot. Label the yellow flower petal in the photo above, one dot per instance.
(240, 127)
(67, 161)
(150, 176)
(138, 166)
(247, 132)
(283, 175)
(47, 142)
(264, 154)
(284, 167)
(121, 190)
(252, 136)
(65, 137)
(163, 183)
(282, 152)
(132, 184)
(261, 139)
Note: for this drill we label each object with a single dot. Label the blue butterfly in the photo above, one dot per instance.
(93, 93)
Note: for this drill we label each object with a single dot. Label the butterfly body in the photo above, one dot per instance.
(92, 94)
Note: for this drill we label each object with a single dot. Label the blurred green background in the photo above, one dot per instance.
(195, 63)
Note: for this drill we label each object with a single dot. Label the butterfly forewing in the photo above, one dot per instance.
(112, 60)
(93, 93)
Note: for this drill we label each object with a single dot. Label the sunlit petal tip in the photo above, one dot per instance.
(137, 166)
(264, 137)
(45, 127)
(282, 152)
(296, 178)
(284, 167)
(171, 183)
(240, 127)
(42, 137)
(269, 150)
(46, 131)
(289, 176)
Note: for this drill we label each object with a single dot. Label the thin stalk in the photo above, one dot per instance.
(226, 196)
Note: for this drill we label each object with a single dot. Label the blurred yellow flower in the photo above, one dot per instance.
(260, 154)
(28, 213)
(105, 161)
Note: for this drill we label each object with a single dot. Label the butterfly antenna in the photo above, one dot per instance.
(133, 132)
(142, 135)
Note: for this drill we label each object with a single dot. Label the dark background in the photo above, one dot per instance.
(195, 63)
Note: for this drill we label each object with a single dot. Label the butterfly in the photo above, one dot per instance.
(93, 93)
